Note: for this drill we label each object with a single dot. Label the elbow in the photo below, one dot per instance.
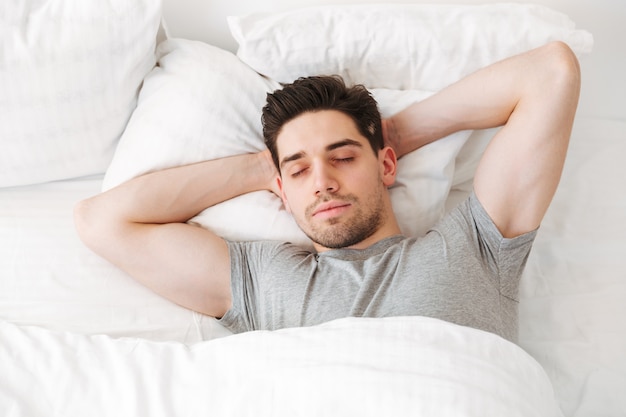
(565, 57)
(564, 67)
(82, 221)
(100, 225)
(87, 222)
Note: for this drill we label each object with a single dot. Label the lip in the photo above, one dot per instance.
(330, 208)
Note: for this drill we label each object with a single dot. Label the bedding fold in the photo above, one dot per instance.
(352, 366)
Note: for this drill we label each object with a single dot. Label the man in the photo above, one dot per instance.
(332, 169)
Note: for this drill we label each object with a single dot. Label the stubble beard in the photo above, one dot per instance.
(339, 232)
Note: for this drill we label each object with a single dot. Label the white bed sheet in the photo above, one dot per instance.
(51, 279)
(573, 294)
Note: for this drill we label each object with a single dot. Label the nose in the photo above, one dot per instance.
(324, 180)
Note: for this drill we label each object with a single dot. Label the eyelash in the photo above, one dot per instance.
(339, 160)
(297, 174)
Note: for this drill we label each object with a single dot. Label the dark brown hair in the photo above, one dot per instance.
(310, 94)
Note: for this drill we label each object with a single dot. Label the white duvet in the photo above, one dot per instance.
(361, 367)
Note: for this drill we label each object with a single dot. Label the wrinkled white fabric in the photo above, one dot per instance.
(349, 367)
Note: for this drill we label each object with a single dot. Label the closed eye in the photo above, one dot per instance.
(297, 173)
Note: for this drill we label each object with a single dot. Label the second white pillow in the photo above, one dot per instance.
(203, 103)
(399, 46)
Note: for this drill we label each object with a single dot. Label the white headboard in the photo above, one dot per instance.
(604, 81)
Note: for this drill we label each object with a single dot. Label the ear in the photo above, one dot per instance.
(389, 165)
(283, 196)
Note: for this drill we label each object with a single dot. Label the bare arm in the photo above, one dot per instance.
(140, 227)
(534, 97)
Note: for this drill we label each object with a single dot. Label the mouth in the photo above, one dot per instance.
(330, 209)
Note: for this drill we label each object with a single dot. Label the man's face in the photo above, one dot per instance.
(331, 181)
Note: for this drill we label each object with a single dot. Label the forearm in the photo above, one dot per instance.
(482, 100)
(177, 194)
(140, 227)
(533, 96)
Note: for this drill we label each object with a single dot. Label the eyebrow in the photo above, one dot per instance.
(342, 143)
(331, 147)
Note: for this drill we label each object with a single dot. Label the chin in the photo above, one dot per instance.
(342, 237)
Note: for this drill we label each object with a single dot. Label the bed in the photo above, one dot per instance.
(94, 94)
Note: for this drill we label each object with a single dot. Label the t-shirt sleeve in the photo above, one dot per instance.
(504, 257)
(246, 266)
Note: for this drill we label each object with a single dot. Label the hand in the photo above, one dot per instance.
(269, 171)
(391, 137)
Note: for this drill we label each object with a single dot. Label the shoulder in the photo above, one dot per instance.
(468, 217)
(469, 224)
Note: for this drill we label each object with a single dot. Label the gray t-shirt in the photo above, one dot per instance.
(462, 271)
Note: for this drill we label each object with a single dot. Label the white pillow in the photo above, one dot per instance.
(425, 176)
(399, 46)
(70, 72)
(203, 103)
